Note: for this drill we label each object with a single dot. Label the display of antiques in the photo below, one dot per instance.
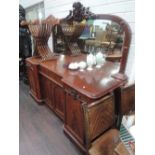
(25, 50)
(85, 85)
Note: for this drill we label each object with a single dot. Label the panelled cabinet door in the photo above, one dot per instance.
(53, 95)
(47, 91)
(50, 97)
(30, 71)
(74, 118)
(59, 99)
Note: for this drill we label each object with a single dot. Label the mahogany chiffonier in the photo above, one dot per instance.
(84, 100)
(89, 102)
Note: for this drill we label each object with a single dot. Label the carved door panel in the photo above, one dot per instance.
(47, 91)
(59, 100)
(30, 71)
(74, 121)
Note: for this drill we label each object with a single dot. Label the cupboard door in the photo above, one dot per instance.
(74, 121)
(47, 91)
(30, 71)
(59, 100)
(99, 116)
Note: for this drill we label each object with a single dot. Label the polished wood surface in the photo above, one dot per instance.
(81, 88)
(79, 97)
(93, 84)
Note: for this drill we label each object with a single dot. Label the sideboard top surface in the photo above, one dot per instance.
(34, 60)
(93, 84)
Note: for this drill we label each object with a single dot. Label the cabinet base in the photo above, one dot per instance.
(39, 101)
(73, 139)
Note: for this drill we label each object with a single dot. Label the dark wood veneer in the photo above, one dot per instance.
(80, 97)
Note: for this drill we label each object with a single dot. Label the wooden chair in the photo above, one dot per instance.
(106, 144)
(109, 144)
(100, 142)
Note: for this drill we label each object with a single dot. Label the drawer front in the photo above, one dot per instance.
(76, 95)
(52, 76)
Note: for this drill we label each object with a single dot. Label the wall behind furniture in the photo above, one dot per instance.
(28, 3)
(122, 8)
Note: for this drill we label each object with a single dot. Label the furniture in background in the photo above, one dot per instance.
(25, 49)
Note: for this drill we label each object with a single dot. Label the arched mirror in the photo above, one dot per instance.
(85, 32)
(102, 35)
(109, 34)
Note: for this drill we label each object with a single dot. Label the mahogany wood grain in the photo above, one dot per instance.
(69, 93)
(98, 116)
(66, 91)
(32, 64)
(92, 84)
(74, 118)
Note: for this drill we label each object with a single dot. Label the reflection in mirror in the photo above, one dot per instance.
(104, 33)
(104, 36)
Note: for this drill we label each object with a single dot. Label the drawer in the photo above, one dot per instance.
(51, 76)
(76, 95)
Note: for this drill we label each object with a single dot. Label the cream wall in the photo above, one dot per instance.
(122, 8)
(28, 3)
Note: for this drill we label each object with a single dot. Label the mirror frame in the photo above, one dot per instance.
(127, 38)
